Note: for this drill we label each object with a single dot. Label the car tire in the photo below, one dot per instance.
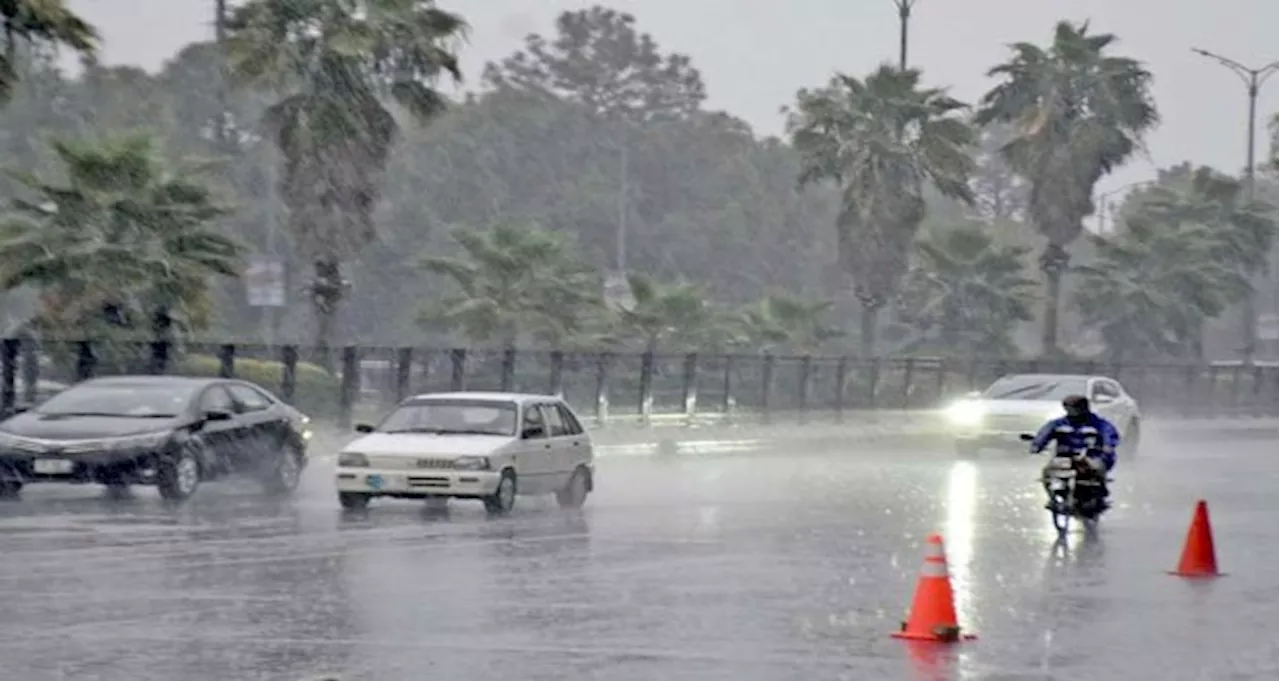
(178, 476)
(1130, 439)
(283, 475)
(503, 499)
(353, 501)
(574, 494)
(10, 490)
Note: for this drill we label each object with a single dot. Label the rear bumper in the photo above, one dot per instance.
(399, 483)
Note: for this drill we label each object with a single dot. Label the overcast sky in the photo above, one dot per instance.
(754, 54)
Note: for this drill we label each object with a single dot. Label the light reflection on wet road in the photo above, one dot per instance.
(742, 568)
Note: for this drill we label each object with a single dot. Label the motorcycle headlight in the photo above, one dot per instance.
(965, 413)
(353, 460)
(471, 463)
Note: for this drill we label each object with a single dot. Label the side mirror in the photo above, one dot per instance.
(1026, 437)
(217, 415)
(364, 428)
(533, 432)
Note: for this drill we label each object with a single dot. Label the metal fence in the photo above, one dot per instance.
(620, 387)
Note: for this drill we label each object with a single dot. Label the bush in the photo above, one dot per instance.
(315, 390)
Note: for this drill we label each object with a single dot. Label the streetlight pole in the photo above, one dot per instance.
(1253, 78)
(904, 19)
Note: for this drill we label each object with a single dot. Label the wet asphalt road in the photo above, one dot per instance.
(739, 568)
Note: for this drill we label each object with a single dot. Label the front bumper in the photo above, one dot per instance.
(127, 467)
(426, 483)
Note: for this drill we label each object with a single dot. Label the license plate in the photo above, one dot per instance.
(373, 481)
(52, 466)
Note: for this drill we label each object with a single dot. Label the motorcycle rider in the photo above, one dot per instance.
(1082, 429)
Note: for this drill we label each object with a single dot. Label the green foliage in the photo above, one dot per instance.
(119, 241)
(315, 390)
(782, 323)
(40, 23)
(966, 292)
(667, 316)
(515, 282)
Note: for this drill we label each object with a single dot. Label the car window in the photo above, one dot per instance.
(571, 424)
(453, 416)
(215, 398)
(133, 399)
(1101, 387)
(555, 426)
(533, 419)
(249, 398)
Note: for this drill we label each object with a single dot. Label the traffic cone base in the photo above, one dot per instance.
(1199, 559)
(933, 609)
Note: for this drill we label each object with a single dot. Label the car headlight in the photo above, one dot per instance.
(353, 460)
(965, 413)
(471, 463)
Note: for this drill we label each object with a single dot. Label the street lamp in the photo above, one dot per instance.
(904, 17)
(1252, 79)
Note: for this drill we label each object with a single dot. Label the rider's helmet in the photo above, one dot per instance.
(1076, 406)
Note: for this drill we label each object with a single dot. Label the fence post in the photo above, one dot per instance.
(458, 369)
(227, 361)
(908, 379)
(350, 386)
(602, 389)
(842, 378)
(766, 383)
(1235, 389)
(971, 376)
(728, 403)
(30, 369)
(556, 379)
(404, 373)
(646, 387)
(8, 369)
(802, 390)
(508, 369)
(86, 362)
(874, 383)
(288, 372)
(941, 385)
(159, 358)
(690, 387)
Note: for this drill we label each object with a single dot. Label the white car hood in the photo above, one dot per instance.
(1040, 408)
(426, 444)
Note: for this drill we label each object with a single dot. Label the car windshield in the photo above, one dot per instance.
(1052, 388)
(453, 417)
(123, 400)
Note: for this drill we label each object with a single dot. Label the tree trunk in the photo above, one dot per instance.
(868, 325)
(326, 292)
(1053, 262)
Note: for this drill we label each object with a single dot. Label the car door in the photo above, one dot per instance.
(534, 461)
(579, 449)
(221, 437)
(259, 423)
(558, 434)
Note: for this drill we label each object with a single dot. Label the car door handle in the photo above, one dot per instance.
(576, 443)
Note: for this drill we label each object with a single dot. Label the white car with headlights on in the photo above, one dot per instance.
(1022, 403)
(470, 445)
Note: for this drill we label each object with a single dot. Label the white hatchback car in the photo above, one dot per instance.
(470, 445)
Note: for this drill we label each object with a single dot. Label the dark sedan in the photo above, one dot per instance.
(169, 431)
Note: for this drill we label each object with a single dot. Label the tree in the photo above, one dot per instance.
(123, 240)
(783, 322)
(881, 139)
(337, 66)
(966, 292)
(1273, 154)
(515, 281)
(999, 193)
(1076, 113)
(668, 315)
(41, 23)
(600, 61)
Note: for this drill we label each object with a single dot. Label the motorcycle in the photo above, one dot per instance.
(1074, 487)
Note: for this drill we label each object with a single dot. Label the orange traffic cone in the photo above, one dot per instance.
(1198, 557)
(933, 609)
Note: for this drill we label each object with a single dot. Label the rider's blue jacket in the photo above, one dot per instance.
(1096, 435)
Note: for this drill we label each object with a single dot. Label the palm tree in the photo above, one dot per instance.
(515, 281)
(338, 66)
(781, 322)
(672, 315)
(881, 140)
(967, 291)
(121, 241)
(39, 22)
(1076, 113)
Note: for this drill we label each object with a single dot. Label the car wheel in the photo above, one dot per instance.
(353, 501)
(178, 476)
(504, 498)
(1130, 439)
(283, 475)
(10, 490)
(574, 494)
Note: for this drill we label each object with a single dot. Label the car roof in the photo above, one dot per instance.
(521, 398)
(144, 379)
(1054, 377)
